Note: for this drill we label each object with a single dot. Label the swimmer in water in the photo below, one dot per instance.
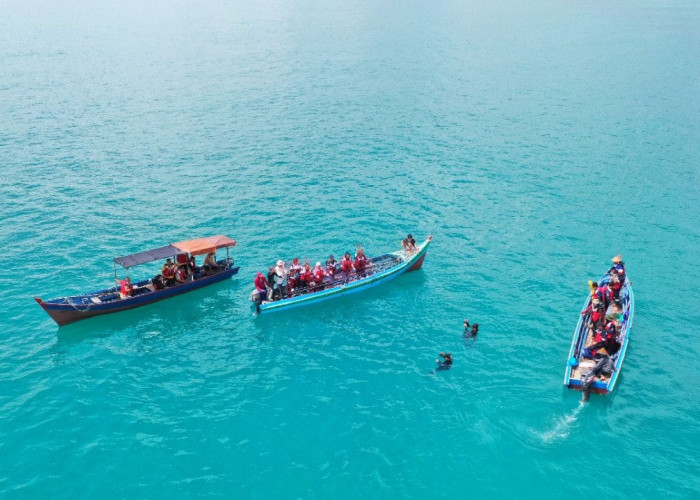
(470, 331)
(446, 362)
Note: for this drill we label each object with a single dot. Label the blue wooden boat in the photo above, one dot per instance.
(578, 367)
(380, 270)
(65, 310)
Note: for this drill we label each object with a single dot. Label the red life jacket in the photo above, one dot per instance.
(319, 274)
(360, 262)
(305, 276)
(345, 265)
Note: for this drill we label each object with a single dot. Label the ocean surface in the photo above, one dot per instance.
(534, 140)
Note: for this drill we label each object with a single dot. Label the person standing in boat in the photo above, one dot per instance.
(346, 266)
(271, 283)
(261, 287)
(409, 244)
(280, 279)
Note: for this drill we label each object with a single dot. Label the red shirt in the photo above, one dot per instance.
(260, 283)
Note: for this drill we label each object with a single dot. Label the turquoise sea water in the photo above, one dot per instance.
(534, 140)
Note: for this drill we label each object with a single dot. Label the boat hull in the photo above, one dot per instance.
(411, 263)
(68, 310)
(573, 374)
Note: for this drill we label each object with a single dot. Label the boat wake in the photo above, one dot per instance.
(562, 426)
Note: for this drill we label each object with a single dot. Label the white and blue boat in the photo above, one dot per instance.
(380, 270)
(578, 368)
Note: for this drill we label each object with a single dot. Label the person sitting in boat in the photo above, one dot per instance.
(181, 274)
(261, 286)
(127, 289)
(192, 266)
(360, 263)
(346, 266)
(618, 267)
(317, 276)
(605, 295)
(168, 273)
(595, 309)
(210, 265)
(607, 345)
(409, 244)
(280, 279)
(306, 277)
(446, 361)
(331, 267)
(293, 277)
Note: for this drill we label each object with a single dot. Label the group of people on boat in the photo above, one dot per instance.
(284, 281)
(604, 313)
(174, 273)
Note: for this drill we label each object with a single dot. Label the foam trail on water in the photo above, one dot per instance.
(563, 425)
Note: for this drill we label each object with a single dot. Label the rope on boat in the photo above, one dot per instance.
(75, 306)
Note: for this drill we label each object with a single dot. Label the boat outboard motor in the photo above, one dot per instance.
(605, 366)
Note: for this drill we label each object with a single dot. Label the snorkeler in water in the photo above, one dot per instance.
(470, 331)
(446, 362)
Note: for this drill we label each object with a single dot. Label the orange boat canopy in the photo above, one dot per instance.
(205, 245)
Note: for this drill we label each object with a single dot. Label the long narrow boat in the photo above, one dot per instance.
(380, 270)
(580, 374)
(65, 310)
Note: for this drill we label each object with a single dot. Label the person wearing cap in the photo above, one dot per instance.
(260, 293)
(409, 244)
(618, 267)
(280, 279)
